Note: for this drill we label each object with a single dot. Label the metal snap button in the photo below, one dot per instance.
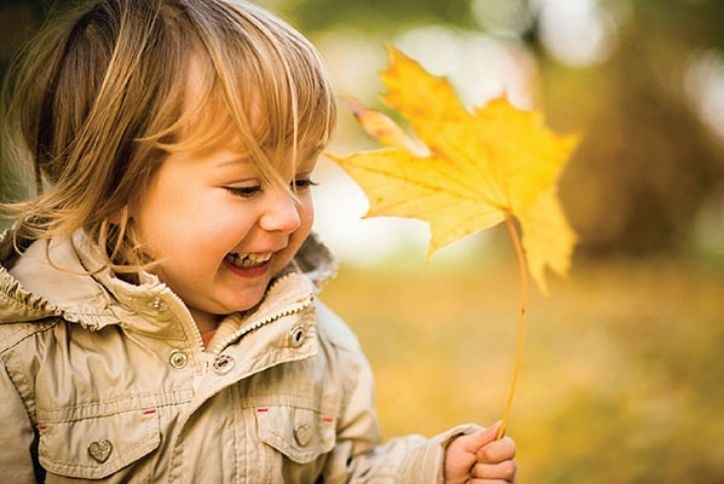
(178, 359)
(157, 304)
(297, 336)
(303, 434)
(223, 364)
(100, 450)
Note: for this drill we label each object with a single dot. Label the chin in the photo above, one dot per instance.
(246, 303)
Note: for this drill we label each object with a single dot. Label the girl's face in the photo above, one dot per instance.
(219, 232)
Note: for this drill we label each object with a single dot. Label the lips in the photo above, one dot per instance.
(249, 272)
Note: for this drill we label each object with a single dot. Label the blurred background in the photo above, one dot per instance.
(622, 376)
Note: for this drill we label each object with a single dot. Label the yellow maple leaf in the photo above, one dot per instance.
(475, 170)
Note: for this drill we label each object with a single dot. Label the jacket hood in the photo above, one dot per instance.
(67, 278)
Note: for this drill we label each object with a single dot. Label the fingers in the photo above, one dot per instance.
(473, 442)
(497, 451)
(486, 481)
(503, 471)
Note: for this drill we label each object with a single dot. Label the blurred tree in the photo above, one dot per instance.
(17, 22)
(376, 15)
(647, 163)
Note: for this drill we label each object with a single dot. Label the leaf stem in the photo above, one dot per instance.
(521, 321)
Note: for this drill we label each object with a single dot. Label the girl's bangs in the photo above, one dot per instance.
(269, 100)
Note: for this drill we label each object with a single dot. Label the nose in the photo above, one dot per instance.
(282, 213)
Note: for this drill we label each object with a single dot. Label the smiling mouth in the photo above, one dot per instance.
(249, 260)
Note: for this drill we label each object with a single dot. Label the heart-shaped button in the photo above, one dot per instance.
(100, 450)
(303, 434)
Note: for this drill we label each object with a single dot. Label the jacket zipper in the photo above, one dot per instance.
(246, 329)
(188, 319)
(262, 322)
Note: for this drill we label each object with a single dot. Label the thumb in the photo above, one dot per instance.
(473, 442)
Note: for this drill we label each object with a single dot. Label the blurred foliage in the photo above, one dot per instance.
(621, 380)
(380, 15)
(696, 22)
(18, 20)
(647, 166)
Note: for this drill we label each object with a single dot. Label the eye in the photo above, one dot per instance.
(244, 192)
(303, 183)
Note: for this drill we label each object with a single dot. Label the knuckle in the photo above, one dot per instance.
(484, 454)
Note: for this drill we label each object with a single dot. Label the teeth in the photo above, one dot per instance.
(259, 258)
(248, 260)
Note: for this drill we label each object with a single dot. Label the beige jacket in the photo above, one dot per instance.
(101, 379)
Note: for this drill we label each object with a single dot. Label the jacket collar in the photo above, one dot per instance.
(76, 286)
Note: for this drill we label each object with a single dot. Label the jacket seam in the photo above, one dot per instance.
(307, 405)
(24, 304)
(252, 371)
(134, 408)
(235, 397)
(86, 404)
(36, 330)
(352, 351)
(349, 385)
(354, 356)
(17, 391)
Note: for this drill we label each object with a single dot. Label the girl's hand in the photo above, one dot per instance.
(479, 458)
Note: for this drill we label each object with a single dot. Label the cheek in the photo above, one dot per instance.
(306, 215)
(191, 230)
(306, 218)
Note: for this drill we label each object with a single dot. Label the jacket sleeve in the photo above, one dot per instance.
(358, 456)
(15, 451)
(412, 458)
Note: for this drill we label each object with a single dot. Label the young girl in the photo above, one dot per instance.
(159, 319)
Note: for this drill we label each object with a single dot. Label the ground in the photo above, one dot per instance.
(621, 377)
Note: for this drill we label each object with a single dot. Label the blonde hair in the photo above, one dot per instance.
(100, 98)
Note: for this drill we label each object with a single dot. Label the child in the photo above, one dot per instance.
(159, 318)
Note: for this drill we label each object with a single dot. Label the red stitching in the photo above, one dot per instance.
(149, 412)
(42, 427)
(262, 409)
(328, 419)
